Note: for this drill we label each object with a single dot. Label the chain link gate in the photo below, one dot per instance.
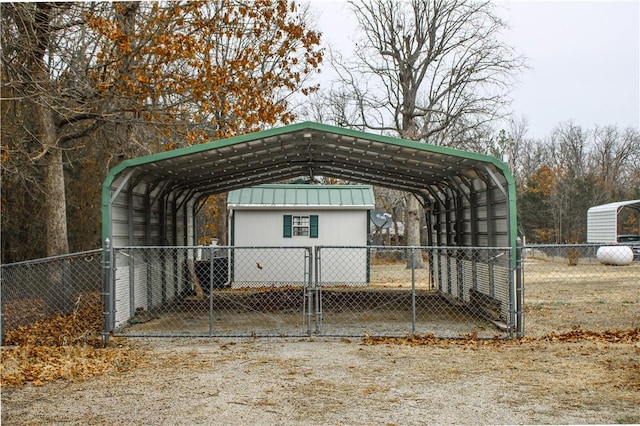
(304, 291)
(212, 291)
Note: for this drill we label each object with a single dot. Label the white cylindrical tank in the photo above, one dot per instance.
(615, 255)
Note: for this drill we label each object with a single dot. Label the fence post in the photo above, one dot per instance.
(490, 264)
(519, 289)
(315, 293)
(413, 290)
(107, 294)
(1, 308)
(211, 276)
(67, 302)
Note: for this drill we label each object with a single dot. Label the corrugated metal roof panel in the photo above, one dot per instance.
(302, 195)
(314, 198)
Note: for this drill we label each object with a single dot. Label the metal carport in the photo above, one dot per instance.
(470, 199)
(602, 220)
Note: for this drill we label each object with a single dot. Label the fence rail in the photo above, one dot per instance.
(300, 291)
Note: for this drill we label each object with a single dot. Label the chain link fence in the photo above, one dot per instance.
(395, 291)
(588, 286)
(302, 291)
(42, 290)
(598, 256)
(331, 291)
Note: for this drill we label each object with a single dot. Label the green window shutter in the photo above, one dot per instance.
(287, 228)
(313, 226)
(232, 237)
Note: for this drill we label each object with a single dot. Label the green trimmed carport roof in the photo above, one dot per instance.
(304, 150)
(309, 149)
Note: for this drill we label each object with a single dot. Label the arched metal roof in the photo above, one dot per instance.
(615, 206)
(150, 200)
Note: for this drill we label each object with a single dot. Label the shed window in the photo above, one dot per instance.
(300, 226)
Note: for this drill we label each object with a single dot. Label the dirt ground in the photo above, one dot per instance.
(545, 378)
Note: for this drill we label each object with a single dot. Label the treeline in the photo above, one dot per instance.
(558, 177)
(573, 169)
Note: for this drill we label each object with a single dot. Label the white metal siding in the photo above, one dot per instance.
(120, 234)
(602, 226)
(122, 293)
(262, 267)
(602, 220)
(343, 266)
(264, 228)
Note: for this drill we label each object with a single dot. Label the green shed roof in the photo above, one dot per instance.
(302, 196)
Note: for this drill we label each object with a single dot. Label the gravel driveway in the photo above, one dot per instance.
(330, 382)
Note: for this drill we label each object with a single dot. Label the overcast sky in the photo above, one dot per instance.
(584, 58)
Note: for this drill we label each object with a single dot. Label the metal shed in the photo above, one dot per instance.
(469, 200)
(602, 220)
(299, 215)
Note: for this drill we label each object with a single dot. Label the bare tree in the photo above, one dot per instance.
(506, 146)
(426, 70)
(35, 25)
(568, 146)
(518, 128)
(423, 65)
(613, 154)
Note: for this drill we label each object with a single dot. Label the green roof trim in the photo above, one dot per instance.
(302, 195)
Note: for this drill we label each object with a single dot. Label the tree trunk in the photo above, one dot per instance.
(34, 25)
(412, 230)
(221, 220)
(56, 204)
(55, 200)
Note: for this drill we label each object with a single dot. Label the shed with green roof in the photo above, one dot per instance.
(298, 215)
